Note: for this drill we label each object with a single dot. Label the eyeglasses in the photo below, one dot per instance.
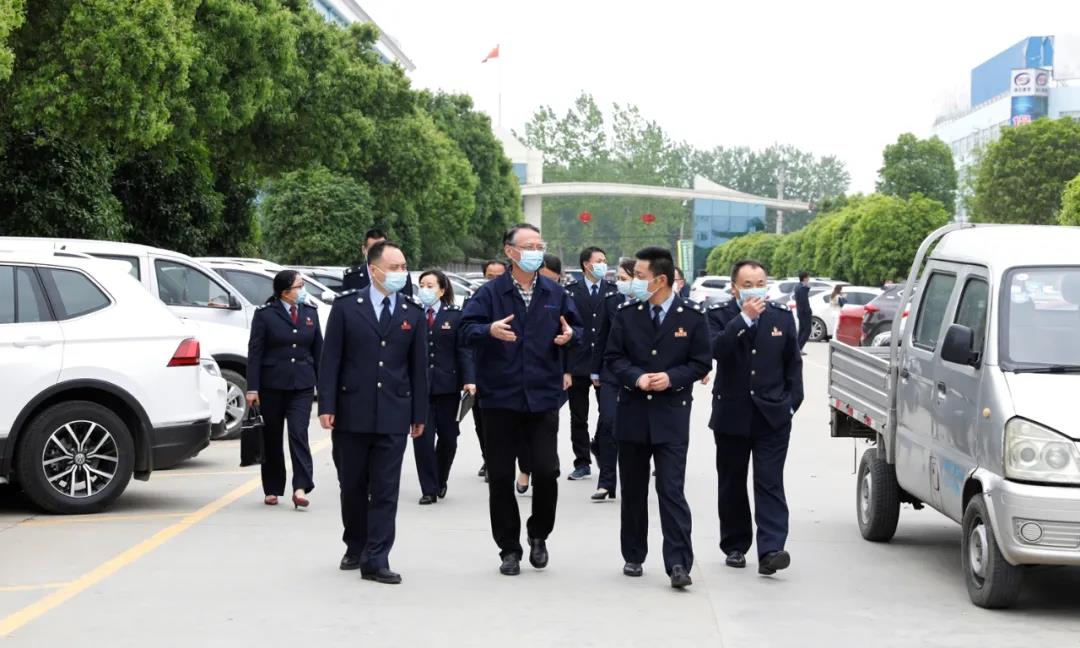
(296, 287)
(534, 247)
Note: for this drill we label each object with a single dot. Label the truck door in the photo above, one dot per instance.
(916, 470)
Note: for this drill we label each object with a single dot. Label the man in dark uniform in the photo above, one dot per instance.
(658, 348)
(492, 270)
(373, 393)
(358, 277)
(517, 326)
(802, 308)
(757, 391)
(588, 294)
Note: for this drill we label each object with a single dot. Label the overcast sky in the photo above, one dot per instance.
(830, 76)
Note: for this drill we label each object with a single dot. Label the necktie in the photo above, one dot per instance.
(293, 314)
(594, 288)
(384, 316)
(656, 310)
(430, 318)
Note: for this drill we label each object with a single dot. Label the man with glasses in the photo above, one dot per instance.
(518, 325)
(358, 277)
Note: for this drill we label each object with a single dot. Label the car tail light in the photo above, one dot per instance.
(870, 308)
(905, 314)
(187, 354)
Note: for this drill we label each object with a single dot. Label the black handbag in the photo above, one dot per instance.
(252, 449)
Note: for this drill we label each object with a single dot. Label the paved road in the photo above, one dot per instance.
(194, 558)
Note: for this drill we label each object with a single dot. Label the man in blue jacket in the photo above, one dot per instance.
(517, 325)
(373, 393)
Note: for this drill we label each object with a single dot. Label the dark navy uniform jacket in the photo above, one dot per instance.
(756, 367)
(373, 381)
(612, 302)
(356, 278)
(450, 361)
(802, 302)
(524, 375)
(282, 355)
(679, 347)
(581, 358)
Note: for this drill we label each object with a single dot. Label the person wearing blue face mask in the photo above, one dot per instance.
(757, 390)
(450, 371)
(284, 350)
(589, 294)
(358, 277)
(373, 395)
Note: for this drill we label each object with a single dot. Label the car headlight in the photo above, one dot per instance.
(1037, 453)
(211, 366)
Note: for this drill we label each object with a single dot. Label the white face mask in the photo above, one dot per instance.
(623, 286)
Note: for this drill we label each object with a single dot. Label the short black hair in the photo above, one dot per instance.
(444, 283)
(587, 253)
(679, 272)
(745, 263)
(553, 263)
(627, 264)
(376, 251)
(283, 282)
(488, 264)
(373, 233)
(660, 262)
(508, 239)
(804, 275)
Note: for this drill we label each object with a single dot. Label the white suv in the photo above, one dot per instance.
(108, 382)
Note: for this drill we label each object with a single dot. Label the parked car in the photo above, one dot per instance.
(108, 382)
(333, 277)
(780, 290)
(880, 313)
(711, 289)
(825, 316)
(230, 344)
(240, 271)
(849, 325)
(970, 410)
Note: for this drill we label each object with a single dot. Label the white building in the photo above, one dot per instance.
(528, 167)
(346, 12)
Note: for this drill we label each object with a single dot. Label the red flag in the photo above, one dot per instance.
(492, 54)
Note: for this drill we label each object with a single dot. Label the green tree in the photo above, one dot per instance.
(1021, 176)
(884, 239)
(11, 18)
(313, 216)
(914, 165)
(51, 187)
(1070, 203)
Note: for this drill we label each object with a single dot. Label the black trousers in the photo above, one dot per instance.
(434, 450)
(279, 406)
(503, 431)
(675, 521)
(579, 420)
(804, 330)
(369, 473)
(478, 423)
(733, 453)
(604, 444)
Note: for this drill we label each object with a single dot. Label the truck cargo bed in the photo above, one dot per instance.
(859, 388)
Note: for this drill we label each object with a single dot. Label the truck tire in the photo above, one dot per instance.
(235, 404)
(877, 498)
(75, 457)
(818, 330)
(991, 581)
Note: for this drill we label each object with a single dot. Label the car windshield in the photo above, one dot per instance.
(1040, 318)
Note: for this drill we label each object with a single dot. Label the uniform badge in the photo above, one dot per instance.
(309, 322)
(405, 326)
(681, 332)
(446, 326)
(777, 332)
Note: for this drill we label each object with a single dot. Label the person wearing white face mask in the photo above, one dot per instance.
(451, 370)
(757, 390)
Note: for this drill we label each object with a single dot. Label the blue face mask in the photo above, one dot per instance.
(623, 286)
(395, 281)
(639, 289)
(531, 260)
(302, 296)
(599, 270)
(427, 296)
(752, 293)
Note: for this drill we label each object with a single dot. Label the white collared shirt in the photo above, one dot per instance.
(589, 284)
(663, 307)
(377, 300)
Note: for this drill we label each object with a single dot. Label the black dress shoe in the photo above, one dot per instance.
(736, 559)
(442, 492)
(483, 471)
(511, 566)
(349, 562)
(601, 494)
(382, 575)
(538, 553)
(680, 578)
(632, 569)
(428, 499)
(773, 562)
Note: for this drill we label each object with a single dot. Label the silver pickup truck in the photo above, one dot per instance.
(971, 408)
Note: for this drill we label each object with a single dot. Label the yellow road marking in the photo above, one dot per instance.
(30, 588)
(14, 621)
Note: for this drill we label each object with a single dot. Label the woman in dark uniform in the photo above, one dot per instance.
(450, 371)
(283, 363)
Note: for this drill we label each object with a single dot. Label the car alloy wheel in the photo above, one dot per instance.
(80, 459)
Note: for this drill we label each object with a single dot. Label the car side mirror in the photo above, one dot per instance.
(959, 346)
(234, 303)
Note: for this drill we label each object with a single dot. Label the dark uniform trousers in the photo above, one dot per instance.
(604, 445)
(579, 419)
(369, 473)
(675, 520)
(507, 433)
(434, 450)
(277, 407)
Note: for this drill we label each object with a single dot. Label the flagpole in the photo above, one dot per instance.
(500, 88)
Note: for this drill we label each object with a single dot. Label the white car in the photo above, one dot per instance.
(109, 382)
(711, 289)
(782, 289)
(229, 343)
(256, 283)
(825, 316)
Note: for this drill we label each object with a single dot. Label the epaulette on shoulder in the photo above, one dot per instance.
(353, 269)
(261, 307)
(778, 306)
(412, 300)
(346, 293)
(717, 306)
(627, 303)
(694, 306)
(615, 293)
(452, 307)
(572, 282)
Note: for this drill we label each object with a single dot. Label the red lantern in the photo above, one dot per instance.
(648, 218)
(585, 217)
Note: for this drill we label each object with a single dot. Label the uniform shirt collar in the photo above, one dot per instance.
(589, 284)
(288, 306)
(666, 305)
(435, 308)
(377, 298)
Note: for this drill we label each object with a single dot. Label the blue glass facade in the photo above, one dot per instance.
(992, 78)
(519, 171)
(717, 221)
(328, 12)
